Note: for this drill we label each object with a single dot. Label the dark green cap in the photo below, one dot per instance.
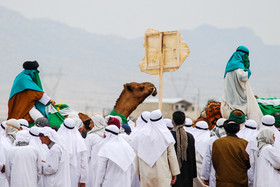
(238, 116)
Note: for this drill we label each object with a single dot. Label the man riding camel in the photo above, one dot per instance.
(237, 91)
(27, 99)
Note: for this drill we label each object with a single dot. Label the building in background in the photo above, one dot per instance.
(169, 105)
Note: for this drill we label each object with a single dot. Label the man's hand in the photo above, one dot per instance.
(174, 178)
(206, 182)
(82, 185)
(3, 169)
(52, 102)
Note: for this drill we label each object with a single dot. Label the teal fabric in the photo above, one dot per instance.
(24, 81)
(239, 60)
(28, 79)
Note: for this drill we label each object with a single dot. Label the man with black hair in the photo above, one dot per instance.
(229, 157)
(185, 150)
(55, 168)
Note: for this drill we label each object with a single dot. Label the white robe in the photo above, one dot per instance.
(207, 170)
(93, 143)
(110, 174)
(23, 166)
(268, 161)
(238, 95)
(79, 174)
(160, 175)
(5, 145)
(41, 148)
(202, 138)
(43, 152)
(56, 168)
(247, 134)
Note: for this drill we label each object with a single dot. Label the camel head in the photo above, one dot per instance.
(140, 91)
(132, 95)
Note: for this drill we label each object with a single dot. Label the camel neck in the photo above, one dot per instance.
(114, 113)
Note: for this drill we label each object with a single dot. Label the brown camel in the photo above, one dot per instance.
(132, 95)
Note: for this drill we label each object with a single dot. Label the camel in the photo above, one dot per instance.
(132, 95)
(210, 114)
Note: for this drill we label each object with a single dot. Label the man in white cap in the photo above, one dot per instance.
(141, 121)
(77, 150)
(41, 148)
(11, 126)
(23, 164)
(56, 166)
(157, 162)
(269, 121)
(207, 170)
(268, 160)
(93, 142)
(252, 147)
(202, 138)
(188, 125)
(115, 161)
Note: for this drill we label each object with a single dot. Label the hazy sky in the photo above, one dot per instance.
(130, 18)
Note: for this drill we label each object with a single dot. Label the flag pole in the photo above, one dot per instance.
(160, 73)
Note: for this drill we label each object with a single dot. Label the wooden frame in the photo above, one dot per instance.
(158, 47)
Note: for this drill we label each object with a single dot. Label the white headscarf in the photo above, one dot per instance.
(219, 130)
(153, 139)
(143, 119)
(168, 123)
(23, 123)
(116, 149)
(72, 139)
(36, 142)
(52, 134)
(201, 136)
(99, 125)
(188, 126)
(249, 131)
(22, 136)
(78, 122)
(265, 137)
(12, 127)
(268, 122)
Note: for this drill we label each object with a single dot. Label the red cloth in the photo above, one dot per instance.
(114, 121)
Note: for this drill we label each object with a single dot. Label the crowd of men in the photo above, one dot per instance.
(151, 152)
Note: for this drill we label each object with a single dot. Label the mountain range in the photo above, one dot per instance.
(87, 71)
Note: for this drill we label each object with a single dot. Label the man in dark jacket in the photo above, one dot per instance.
(185, 151)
